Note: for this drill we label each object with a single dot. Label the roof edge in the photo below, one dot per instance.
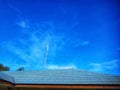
(7, 78)
(69, 86)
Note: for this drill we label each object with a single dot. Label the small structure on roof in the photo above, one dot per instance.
(58, 79)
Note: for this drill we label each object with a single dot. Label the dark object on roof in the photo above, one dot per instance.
(63, 77)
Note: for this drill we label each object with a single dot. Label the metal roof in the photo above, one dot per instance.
(61, 77)
(6, 77)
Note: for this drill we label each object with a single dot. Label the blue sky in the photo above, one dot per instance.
(66, 34)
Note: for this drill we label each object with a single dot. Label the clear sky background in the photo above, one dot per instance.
(67, 34)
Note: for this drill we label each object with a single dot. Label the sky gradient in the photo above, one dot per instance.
(66, 34)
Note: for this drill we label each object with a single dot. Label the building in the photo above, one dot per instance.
(57, 79)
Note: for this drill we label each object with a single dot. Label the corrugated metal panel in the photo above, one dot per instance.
(6, 77)
(63, 77)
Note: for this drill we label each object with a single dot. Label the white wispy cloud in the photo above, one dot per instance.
(108, 65)
(81, 43)
(33, 49)
(23, 24)
(85, 43)
(75, 25)
(62, 67)
(14, 8)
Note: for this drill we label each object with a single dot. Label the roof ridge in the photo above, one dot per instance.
(66, 70)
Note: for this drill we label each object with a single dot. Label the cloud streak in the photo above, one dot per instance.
(61, 67)
(32, 48)
(23, 24)
(104, 66)
(80, 43)
(14, 9)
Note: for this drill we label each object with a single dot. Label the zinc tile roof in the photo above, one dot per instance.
(61, 77)
(6, 77)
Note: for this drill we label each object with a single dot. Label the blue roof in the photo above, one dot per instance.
(60, 77)
(6, 77)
